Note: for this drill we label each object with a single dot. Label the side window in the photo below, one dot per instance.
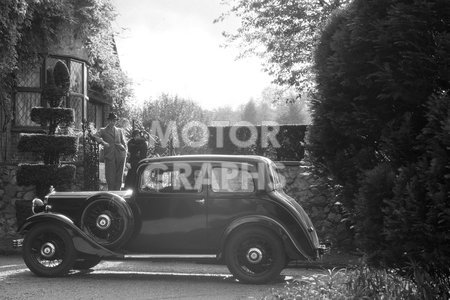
(171, 178)
(228, 179)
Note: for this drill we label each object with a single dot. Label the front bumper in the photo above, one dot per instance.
(18, 243)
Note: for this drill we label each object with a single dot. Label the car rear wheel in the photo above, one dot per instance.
(48, 250)
(108, 221)
(86, 262)
(255, 255)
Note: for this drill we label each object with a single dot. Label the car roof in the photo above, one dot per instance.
(206, 157)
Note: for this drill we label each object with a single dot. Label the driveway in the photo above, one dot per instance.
(136, 280)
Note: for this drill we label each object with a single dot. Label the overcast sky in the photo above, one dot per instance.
(172, 46)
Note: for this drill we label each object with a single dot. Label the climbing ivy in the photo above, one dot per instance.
(29, 27)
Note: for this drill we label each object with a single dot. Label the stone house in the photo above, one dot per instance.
(89, 104)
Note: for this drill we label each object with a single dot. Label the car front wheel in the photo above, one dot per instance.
(255, 255)
(48, 250)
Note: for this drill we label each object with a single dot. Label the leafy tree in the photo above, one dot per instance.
(170, 115)
(225, 113)
(276, 104)
(417, 217)
(249, 113)
(286, 106)
(381, 126)
(266, 110)
(167, 108)
(282, 32)
(293, 113)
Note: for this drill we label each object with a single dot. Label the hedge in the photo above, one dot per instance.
(43, 176)
(42, 143)
(289, 137)
(59, 115)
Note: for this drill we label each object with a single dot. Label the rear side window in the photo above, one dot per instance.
(231, 179)
(172, 178)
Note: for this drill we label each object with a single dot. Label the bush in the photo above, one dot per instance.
(417, 218)
(375, 188)
(361, 283)
(42, 143)
(56, 115)
(290, 138)
(381, 127)
(43, 176)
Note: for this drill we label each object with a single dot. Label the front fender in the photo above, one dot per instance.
(81, 241)
(292, 245)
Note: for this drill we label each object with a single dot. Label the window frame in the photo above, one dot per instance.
(249, 167)
(171, 169)
(43, 79)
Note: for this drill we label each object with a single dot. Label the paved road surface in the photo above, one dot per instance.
(134, 280)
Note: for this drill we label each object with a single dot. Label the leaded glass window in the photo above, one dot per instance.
(76, 103)
(29, 76)
(50, 62)
(30, 82)
(24, 102)
(76, 77)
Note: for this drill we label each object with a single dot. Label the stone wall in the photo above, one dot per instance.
(10, 192)
(15, 202)
(318, 200)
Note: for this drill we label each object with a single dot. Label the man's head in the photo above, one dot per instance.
(112, 118)
(136, 133)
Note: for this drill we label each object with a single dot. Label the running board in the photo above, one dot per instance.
(170, 256)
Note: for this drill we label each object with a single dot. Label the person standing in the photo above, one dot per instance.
(115, 149)
(137, 147)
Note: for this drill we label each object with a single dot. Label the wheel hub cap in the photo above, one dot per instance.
(103, 221)
(48, 250)
(254, 255)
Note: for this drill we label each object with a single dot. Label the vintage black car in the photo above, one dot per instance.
(230, 208)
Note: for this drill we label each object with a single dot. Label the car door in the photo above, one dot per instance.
(171, 198)
(232, 193)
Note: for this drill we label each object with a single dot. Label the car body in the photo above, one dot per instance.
(227, 207)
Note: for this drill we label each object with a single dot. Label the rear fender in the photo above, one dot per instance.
(82, 242)
(293, 248)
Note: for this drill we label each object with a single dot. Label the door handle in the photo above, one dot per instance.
(200, 201)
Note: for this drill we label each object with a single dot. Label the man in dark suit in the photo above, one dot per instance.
(137, 148)
(115, 148)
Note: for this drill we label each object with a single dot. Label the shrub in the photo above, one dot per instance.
(42, 143)
(290, 138)
(56, 115)
(381, 127)
(51, 146)
(43, 176)
(361, 283)
(375, 188)
(417, 218)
